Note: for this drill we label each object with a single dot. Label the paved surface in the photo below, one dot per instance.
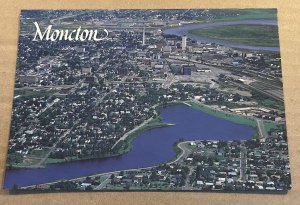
(168, 81)
(261, 129)
(131, 131)
(185, 152)
(104, 183)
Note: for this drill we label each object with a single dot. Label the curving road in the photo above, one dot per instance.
(185, 152)
(183, 30)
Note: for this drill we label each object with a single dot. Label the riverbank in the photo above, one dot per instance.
(243, 14)
(184, 30)
(124, 146)
(148, 149)
(224, 115)
(181, 152)
(153, 123)
(251, 35)
(244, 120)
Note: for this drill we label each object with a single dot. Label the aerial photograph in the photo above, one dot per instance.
(148, 100)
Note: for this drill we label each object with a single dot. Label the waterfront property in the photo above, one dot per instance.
(192, 31)
(151, 147)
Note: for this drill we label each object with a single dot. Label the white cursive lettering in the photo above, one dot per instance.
(55, 34)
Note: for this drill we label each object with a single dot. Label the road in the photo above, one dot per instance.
(261, 129)
(53, 21)
(45, 87)
(187, 181)
(43, 159)
(168, 81)
(134, 129)
(39, 164)
(48, 106)
(243, 163)
(104, 183)
(184, 154)
(22, 129)
(123, 80)
(131, 131)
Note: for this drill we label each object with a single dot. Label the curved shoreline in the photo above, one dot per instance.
(132, 134)
(177, 158)
(145, 126)
(134, 159)
(184, 30)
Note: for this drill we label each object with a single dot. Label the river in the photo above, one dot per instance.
(150, 148)
(183, 30)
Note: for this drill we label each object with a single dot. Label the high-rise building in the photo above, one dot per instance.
(144, 36)
(183, 44)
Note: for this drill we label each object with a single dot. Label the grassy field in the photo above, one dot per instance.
(267, 101)
(235, 118)
(231, 117)
(255, 35)
(39, 153)
(271, 125)
(242, 14)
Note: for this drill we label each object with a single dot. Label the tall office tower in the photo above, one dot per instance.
(183, 44)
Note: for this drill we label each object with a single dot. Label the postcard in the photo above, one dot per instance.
(148, 100)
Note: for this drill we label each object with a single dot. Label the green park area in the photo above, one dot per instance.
(231, 117)
(241, 14)
(255, 35)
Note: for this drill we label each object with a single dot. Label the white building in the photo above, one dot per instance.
(183, 44)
